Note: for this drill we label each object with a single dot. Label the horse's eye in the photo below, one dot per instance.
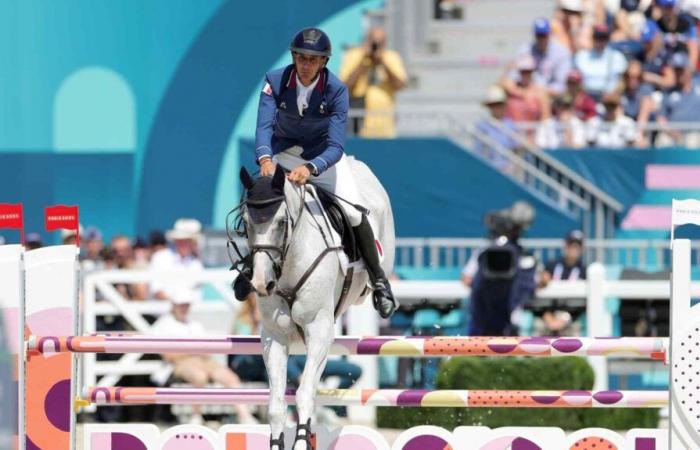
(281, 222)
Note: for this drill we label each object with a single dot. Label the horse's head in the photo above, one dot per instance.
(267, 223)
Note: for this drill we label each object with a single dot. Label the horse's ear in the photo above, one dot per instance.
(278, 179)
(246, 179)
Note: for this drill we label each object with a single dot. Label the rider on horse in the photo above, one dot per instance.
(302, 117)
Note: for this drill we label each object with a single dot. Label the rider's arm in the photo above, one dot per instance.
(337, 128)
(267, 108)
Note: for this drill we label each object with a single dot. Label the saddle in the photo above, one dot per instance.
(341, 224)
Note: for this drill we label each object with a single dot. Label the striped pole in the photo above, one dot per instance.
(384, 397)
(411, 346)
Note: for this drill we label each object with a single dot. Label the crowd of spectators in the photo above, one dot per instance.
(599, 72)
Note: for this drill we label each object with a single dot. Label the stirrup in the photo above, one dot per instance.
(279, 442)
(307, 437)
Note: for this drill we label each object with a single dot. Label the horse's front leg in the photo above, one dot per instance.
(319, 336)
(275, 353)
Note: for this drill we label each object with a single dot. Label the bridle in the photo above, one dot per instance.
(290, 226)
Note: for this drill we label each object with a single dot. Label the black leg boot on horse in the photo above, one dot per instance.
(384, 300)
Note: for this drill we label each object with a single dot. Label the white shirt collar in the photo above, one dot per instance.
(304, 94)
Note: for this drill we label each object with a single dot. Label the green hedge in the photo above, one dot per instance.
(567, 373)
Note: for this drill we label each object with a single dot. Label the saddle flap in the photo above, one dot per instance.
(341, 224)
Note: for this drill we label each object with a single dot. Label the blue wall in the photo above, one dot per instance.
(163, 83)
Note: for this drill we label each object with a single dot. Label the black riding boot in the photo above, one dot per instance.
(241, 285)
(384, 300)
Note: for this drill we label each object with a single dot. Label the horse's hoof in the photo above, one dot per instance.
(304, 438)
(277, 444)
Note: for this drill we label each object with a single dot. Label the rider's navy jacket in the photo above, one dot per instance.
(320, 132)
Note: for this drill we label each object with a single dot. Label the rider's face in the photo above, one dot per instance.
(308, 66)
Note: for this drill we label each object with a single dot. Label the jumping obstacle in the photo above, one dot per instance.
(408, 346)
(51, 361)
(382, 397)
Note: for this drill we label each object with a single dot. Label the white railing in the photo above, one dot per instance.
(361, 320)
(438, 252)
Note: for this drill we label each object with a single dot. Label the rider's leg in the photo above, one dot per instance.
(339, 180)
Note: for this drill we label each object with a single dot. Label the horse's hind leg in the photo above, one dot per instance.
(275, 353)
(319, 336)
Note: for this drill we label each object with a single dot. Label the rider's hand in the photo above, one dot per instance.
(267, 167)
(300, 175)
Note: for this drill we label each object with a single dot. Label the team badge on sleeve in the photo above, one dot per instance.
(267, 89)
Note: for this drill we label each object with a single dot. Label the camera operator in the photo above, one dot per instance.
(505, 276)
(373, 75)
(556, 318)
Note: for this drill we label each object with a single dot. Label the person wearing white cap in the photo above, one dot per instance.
(568, 24)
(197, 370)
(495, 101)
(184, 236)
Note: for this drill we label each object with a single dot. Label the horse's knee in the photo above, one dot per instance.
(277, 410)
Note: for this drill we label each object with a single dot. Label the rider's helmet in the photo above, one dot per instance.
(311, 41)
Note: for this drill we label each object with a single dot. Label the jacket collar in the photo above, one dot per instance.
(320, 86)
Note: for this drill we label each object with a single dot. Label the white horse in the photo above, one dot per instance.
(298, 276)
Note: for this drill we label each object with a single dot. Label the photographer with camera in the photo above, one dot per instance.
(505, 275)
(373, 75)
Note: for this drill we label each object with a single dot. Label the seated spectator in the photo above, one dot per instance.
(636, 95)
(527, 101)
(495, 101)
(552, 60)
(600, 66)
(373, 75)
(185, 237)
(628, 18)
(613, 129)
(563, 129)
(681, 103)
(557, 319)
(93, 244)
(636, 99)
(583, 104)
(196, 370)
(70, 237)
(124, 259)
(33, 241)
(568, 26)
(678, 30)
(655, 67)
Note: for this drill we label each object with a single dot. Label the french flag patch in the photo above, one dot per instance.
(267, 89)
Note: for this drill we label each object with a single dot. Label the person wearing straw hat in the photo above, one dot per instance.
(493, 133)
(197, 370)
(184, 237)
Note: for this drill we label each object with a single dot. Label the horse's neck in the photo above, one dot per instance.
(306, 240)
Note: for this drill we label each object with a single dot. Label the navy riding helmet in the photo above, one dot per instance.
(311, 41)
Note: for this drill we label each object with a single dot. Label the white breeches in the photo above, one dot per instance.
(338, 179)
